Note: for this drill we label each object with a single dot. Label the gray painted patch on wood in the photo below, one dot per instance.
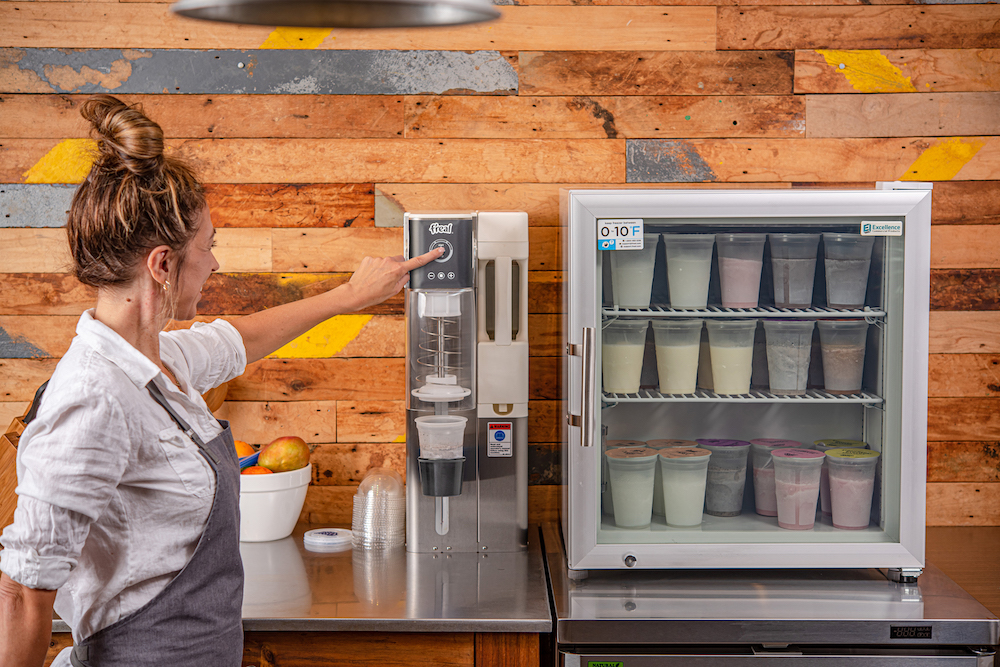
(24, 205)
(388, 212)
(18, 347)
(664, 161)
(268, 71)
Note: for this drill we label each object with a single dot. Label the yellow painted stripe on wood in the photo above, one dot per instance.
(324, 340)
(68, 162)
(868, 71)
(943, 160)
(400, 438)
(296, 38)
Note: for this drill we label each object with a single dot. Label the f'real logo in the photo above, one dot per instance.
(439, 228)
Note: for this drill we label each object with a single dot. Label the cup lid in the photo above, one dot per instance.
(797, 454)
(685, 453)
(772, 443)
(327, 539)
(631, 453)
(852, 453)
(662, 444)
(832, 443)
(712, 442)
(625, 443)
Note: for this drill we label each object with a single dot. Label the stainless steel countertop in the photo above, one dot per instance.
(713, 607)
(289, 588)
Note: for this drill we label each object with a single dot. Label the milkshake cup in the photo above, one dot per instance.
(793, 268)
(632, 274)
(622, 348)
(657, 482)
(739, 268)
(763, 472)
(789, 346)
(607, 501)
(689, 267)
(683, 472)
(847, 260)
(824, 477)
(843, 345)
(852, 483)
(727, 476)
(630, 473)
(677, 347)
(796, 481)
(731, 346)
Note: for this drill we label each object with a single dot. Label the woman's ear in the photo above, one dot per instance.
(158, 264)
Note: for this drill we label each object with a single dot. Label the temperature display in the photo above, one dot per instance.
(619, 234)
(909, 632)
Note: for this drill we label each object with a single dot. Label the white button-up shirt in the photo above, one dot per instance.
(112, 496)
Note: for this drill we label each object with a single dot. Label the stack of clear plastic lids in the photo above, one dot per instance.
(379, 520)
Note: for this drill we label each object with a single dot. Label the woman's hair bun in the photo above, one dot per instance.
(126, 137)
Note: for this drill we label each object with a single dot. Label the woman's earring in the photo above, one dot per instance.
(166, 285)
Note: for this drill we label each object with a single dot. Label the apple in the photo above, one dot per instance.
(286, 453)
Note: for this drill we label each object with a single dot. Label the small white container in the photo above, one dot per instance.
(271, 504)
(441, 436)
(630, 472)
(684, 472)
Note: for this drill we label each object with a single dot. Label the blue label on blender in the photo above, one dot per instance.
(499, 442)
(882, 228)
(623, 234)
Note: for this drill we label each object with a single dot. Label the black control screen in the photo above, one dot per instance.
(453, 269)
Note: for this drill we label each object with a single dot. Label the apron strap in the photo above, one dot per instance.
(158, 396)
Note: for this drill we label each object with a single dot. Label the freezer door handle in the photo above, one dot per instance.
(588, 383)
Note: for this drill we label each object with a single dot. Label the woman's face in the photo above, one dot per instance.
(199, 264)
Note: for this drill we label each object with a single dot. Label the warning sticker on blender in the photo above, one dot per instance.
(619, 234)
(500, 441)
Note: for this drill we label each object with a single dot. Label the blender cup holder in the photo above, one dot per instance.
(441, 477)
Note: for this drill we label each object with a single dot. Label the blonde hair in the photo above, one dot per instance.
(134, 199)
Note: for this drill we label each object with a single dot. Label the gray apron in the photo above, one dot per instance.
(196, 621)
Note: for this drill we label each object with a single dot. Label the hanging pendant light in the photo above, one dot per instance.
(340, 13)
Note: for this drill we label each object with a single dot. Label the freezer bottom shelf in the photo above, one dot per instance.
(760, 656)
(748, 527)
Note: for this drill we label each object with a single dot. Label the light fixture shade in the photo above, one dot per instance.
(340, 13)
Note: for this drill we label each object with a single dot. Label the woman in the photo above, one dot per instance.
(128, 497)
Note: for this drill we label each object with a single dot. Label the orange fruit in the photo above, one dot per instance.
(256, 470)
(243, 449)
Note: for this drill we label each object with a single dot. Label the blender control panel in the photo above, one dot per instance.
(454, 269)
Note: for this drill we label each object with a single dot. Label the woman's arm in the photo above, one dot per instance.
(25, 624)
(376, 280)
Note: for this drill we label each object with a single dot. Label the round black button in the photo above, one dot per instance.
(448, 249)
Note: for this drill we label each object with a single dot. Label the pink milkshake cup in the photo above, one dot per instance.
(824, 478)
(765, 501)
(852, 483)
(740, 262)
(796, 483)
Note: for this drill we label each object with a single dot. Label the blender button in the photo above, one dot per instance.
(451, 275)
(441, 275)
(430, 275)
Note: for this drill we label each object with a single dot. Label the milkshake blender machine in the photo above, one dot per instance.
(467, 383)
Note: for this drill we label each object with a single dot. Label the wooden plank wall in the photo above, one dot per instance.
(313, 142)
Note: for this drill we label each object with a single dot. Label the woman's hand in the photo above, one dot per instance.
(379, 278)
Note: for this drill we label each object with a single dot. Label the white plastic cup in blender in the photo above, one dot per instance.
(441, 436)
(689, 267)
(677, 346)
(740, 263)
(843, 345)
(793, 268)
(630, 472)
(622, 348)
(789, 348)
(847, 260)
(765, 502)
(727, 476)
(683, 476)
(852, 484)
(731, 346)
(632, 274)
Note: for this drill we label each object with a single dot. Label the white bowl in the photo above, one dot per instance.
(271, 504)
